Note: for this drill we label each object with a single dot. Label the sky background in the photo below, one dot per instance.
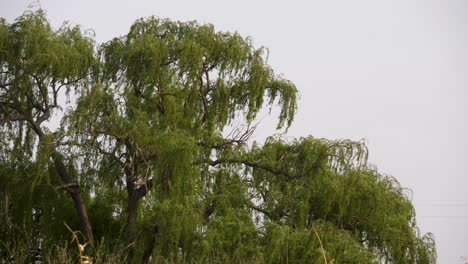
(393, 72)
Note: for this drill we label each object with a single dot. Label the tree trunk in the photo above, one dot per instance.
(80, 208)
(132, 208)
(147, 255)
(132, 213)
(134, 195)
(74, 191)
(72, 187)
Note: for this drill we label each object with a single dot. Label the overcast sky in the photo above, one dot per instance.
(393, 72)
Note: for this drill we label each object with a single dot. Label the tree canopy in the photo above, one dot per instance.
(150, 161)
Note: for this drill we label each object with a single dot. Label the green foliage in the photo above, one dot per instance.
(36, 62)
(189, 76)
(285, 244)
(143, 144)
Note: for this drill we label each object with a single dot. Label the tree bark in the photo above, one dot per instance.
(74, 191)
(72, 188)
(132, 213)
(133, 200)
(147, 255)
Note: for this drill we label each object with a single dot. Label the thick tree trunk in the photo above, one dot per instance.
(132, 213)
(80, 208)
(147, 255)
(134, 196)
(74, 191)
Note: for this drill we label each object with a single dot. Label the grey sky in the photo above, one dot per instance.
(393, 72)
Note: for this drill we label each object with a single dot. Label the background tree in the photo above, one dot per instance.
(145, 139)
(38, 64)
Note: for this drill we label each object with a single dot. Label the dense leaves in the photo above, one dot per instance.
(151, 152)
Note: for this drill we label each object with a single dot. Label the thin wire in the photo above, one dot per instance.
(459, 205)
(442, 216)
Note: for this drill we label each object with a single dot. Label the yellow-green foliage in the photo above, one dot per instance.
(144, 147)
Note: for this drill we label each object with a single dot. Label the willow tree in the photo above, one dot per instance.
(37, 66)
(167, 90)
(147, 142)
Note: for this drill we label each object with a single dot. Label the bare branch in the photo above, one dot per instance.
(257, 166)
(69, 83)
(258, 209)
(67, 186)
(236, 137)
(110, 154)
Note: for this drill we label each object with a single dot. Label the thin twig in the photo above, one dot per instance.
(321, 245)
